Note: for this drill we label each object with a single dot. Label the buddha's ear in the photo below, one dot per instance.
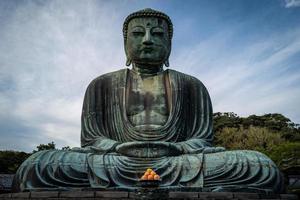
(167, 64)
(128, 59)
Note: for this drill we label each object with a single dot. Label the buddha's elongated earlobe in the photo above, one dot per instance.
(167, 63)
(128, 61)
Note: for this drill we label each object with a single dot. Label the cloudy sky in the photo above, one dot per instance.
(247, 53)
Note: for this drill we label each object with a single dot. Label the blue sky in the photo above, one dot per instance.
(246, 52)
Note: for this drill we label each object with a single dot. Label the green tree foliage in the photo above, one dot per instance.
(272, 134)
(11, 160)
(253, 138)
(274, 122)
(287, 155)
(67, 148)
(42, 147)
(228, 119)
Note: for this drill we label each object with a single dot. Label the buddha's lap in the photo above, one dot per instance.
(211, 163)
(56, 168)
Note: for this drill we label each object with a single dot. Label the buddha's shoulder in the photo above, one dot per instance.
(186, 77)
(111, 75)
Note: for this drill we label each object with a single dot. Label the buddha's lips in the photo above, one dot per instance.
(147, 49)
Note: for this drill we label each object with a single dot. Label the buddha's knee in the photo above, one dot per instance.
(234, 158)
(255, 157)
(55, 157)
(244, 168)
(49, 166)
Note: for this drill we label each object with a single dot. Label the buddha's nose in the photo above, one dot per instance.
(147, 40)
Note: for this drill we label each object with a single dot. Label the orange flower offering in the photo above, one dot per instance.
(150, 175)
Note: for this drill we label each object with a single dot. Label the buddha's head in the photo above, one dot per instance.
(147, 38)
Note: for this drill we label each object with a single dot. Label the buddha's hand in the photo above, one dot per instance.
(82, 149)
(148, 149)
(88, 149)
(207, 150)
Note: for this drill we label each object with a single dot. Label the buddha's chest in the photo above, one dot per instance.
(146, 100)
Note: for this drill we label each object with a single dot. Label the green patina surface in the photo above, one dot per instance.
(148, 117)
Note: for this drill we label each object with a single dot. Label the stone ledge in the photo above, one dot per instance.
(119, 195)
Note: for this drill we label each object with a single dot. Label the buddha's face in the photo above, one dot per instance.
(148, 41)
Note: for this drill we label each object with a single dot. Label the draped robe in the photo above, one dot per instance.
(105, 125)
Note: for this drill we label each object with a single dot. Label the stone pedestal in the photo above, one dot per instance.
(120, 195)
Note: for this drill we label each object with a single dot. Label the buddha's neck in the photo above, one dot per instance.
(147, 69)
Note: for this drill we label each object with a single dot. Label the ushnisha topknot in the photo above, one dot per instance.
(147, 12)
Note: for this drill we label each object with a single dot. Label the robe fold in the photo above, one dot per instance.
(104, 118)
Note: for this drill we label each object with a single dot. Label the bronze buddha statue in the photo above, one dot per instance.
(148, 117)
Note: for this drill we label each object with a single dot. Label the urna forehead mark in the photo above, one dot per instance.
(148, 22)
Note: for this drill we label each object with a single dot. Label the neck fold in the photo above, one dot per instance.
(147, 69)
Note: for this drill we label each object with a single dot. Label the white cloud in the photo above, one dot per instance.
(250, 79)
(55, 49)
(292, 3)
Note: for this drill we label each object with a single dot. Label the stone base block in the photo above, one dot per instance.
(120, 195)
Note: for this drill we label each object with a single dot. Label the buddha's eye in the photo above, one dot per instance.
(137, 31)
(158, 32)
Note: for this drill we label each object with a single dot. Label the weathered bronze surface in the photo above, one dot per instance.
(148, 117)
